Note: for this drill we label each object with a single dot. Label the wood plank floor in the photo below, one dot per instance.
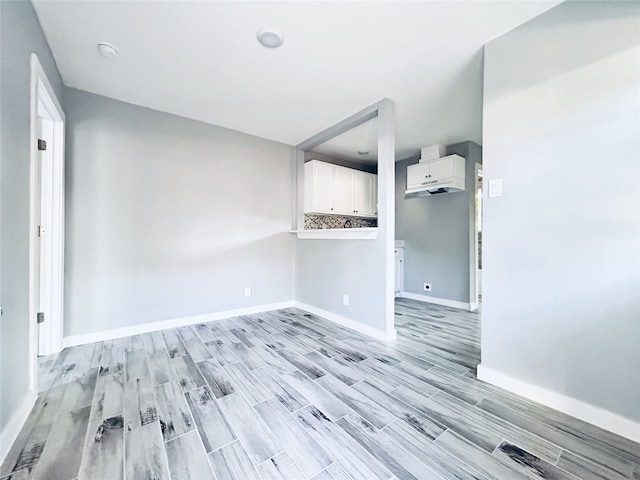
(287, 395)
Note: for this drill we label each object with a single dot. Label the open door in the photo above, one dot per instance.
(476, 257)
(45, 251)
(46, 284)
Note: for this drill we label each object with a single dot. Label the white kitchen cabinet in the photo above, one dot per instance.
(442, 168)
(374, 195)
(345, 191)
(318, 187)
(418, 173)
(440, 172)
(365, 194)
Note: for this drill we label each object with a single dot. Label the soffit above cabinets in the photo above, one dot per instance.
(201, 60)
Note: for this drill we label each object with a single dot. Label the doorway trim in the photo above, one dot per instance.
(474, 272)
(45, 103)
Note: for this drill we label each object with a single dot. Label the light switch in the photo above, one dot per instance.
(495, 187)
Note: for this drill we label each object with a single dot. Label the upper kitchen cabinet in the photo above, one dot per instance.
(343, 190)
(365, 194)
(333, 189)
(319, 180)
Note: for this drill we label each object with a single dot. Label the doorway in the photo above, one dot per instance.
(46, 239)
(476, 242)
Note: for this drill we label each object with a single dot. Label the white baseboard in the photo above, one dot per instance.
(15, 424)
(347, 322)
(435, 300)
(74, 340)
(597, 416)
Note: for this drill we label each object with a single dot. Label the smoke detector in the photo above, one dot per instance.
(269, 38)
(107, 50)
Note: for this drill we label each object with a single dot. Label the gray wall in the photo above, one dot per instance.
(327, 269)
(561, 273)
(436, 231)
(168, 217)
(20, 35)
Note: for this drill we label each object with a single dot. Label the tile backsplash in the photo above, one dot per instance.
(314, 221)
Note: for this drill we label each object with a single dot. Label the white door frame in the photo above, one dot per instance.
(44, 103)
(474, 298)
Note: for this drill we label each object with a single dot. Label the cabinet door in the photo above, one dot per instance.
(343, 191)
(417, 174)
(362, 194)
(323, 184)
(374, 195)
(441, 168)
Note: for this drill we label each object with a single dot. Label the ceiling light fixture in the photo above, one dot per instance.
(363, 152)
(107, 50)
(269, 38)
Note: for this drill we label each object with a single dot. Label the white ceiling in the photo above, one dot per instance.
(201, 60)
(362, 138)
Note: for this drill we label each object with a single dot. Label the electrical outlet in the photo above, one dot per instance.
(427, 287)
(345, 299)
(247, 291)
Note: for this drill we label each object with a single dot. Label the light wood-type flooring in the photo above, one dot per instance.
(288, 395)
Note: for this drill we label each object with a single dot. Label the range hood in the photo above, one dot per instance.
(447, 185)
(436, 176)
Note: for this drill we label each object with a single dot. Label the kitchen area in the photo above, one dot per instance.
(437, 216)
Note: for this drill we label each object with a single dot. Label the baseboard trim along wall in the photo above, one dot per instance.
(435, 300)
(73, 340)
(347, 322)
(576, 408)
(15, 424)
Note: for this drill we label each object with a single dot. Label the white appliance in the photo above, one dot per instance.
(436, 176)
(432, 151)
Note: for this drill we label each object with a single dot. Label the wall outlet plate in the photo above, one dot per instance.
(345, 299)
(247, 291)
(427, 287)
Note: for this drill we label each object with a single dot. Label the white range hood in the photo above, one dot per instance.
(436, 176)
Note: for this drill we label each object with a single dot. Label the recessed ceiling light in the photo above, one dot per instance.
(107, 50)
(270, 38)
(363, 152)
